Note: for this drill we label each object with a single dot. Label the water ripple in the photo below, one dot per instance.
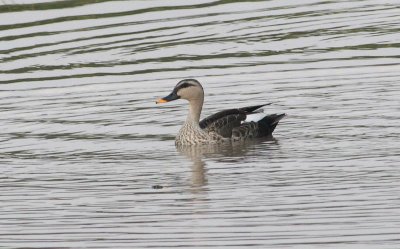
(88, 160)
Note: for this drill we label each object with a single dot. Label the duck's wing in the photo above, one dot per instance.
(225, 121)
(261, 128)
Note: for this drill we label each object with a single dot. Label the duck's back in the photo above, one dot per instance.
(232, 123)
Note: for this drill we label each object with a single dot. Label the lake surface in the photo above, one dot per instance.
(88, 159)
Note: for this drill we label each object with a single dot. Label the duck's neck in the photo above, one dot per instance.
(195, 106)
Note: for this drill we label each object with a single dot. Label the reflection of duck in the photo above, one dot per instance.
(237, 149)
(227, 125)
(234, 151)
(194, 154)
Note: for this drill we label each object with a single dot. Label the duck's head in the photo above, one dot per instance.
(189, 89)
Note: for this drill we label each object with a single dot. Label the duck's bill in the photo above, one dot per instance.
(171, 97)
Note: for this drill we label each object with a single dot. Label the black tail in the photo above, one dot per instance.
(267, 125)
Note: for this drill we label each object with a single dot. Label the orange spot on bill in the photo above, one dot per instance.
(161, 101)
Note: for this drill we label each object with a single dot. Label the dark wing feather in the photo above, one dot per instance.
(262, 128)
(251, 109)
(225, 121)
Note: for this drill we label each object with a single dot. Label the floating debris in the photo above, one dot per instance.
(157, 187)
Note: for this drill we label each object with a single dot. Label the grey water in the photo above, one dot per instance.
(87, 159)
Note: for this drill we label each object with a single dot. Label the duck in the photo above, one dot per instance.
(228, 125)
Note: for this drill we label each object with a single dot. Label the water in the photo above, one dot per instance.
(88, 160)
